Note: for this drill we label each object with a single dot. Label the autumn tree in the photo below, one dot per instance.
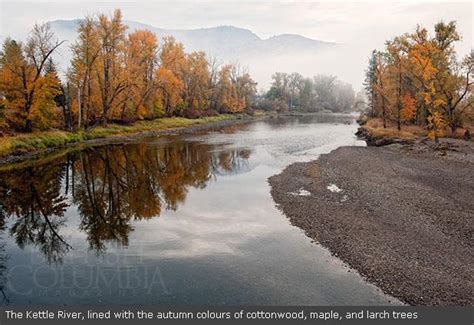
(170, 75)
(226, 92)
(28, 90)
(246, 89)
(3, 124)
(453, 78)
(235, 89)
(111, 75)
(196, 87)
(381, 85)
(214, 67)
(423, 57)
(99, 69)
(397, 51)
(169, 90)
(420, 79)
(141, 62)
(173, 57)
(83, 71)
(408, 111)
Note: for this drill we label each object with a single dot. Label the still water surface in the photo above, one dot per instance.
(179, 220)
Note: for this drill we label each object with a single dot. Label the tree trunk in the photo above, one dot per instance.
(399, 95)
(28, 125)
(79, 104)
(384, 115)
(373, 102)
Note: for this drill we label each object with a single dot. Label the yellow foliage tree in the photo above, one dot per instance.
(111, 74)
(169, 90)
(423, 57)
(235, 89)
(196, 81)
(141, 62)
(43, 110)
(82, 73)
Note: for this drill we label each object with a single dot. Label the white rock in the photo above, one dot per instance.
(333, 188)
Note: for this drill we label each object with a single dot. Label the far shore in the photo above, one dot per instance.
(401, 214)
(22, 147)
(27, 146)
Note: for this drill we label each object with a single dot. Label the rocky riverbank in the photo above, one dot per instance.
(401, 215)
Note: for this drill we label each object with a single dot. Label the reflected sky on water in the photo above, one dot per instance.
(179, 220)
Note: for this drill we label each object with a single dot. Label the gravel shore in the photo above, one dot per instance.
(401, 215)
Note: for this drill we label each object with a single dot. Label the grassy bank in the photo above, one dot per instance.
(374, 131)
(37, 141)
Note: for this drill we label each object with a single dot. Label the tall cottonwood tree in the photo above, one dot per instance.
(196, 87)
(111, 74)
(82, 73)
(397, 50)
(141, 62)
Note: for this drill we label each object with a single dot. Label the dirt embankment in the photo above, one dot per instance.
(402, 215)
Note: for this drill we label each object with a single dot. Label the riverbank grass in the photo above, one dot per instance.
(374, 127)
(23, 143)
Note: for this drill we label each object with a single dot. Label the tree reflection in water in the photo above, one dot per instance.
(111, 186)
(33, 198)
(3, 260)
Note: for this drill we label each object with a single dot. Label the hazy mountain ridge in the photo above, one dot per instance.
(214, 40)
(226, 43)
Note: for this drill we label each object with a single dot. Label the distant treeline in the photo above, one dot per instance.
(419, 79)
(113, 77)
(321, 93)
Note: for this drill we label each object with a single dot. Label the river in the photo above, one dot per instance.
(176, 220)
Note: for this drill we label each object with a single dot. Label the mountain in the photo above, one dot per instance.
(262, 57)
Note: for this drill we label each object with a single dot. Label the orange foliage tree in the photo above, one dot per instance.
(408, 111)
(28, 90)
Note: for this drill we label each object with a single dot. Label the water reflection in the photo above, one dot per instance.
(33, 198)
(63, 223)
(3, 263)
(110, 186)
(282, 121)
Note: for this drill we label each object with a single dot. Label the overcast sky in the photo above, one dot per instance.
(368, 24)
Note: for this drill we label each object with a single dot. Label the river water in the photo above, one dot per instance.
(178, 220)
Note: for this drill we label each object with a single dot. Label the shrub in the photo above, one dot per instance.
(210, 112)
(250, 111)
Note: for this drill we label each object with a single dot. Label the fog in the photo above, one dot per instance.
(347, 62)
(357, 27)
